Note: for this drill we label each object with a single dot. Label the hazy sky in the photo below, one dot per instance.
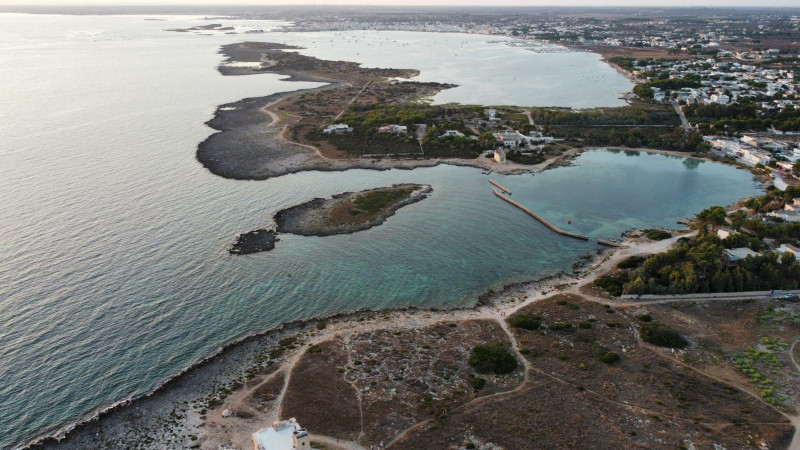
(757, 3)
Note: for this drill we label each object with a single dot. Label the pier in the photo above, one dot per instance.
(539, 218)
(609, 243)
(501, 187)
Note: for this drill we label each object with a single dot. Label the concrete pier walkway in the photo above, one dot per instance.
(540, 219)
(501, 187)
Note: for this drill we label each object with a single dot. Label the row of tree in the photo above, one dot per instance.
(700, 266)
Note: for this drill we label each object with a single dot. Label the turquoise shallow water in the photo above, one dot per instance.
(113, 266)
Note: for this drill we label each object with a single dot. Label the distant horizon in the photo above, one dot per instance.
(792, 4)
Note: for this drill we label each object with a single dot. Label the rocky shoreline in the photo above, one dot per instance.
(248, 143)
(307, 218)
(172, 414)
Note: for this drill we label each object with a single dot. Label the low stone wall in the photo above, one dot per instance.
(710, 295)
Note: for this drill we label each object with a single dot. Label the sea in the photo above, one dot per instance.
(114, 270)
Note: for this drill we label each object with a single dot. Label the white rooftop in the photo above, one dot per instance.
(740, 253)
(277, 437)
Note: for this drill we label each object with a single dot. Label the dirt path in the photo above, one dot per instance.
(528, 115)
(352, 384)
(351, 101)
(497, 313)
(498, 317)
(335, 444)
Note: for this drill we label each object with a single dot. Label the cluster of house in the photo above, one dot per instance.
(752, 150)
(725, 82)
(283, 435)
(734, 256)
(790, 212)
(515, 139)
(706, 36)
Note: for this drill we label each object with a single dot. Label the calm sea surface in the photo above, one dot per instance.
(113, 266)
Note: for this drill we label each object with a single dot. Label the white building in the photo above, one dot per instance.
(751, 157)
(750, 140)
(339, 128)
(722, 233)
(788, 248)
(736, 255)
(500, 156)
(396, 129)
(284, 435)
(492, 114)
(449, 133)
(720, 98)
(786, 216)
(793, 206)
(510, 139)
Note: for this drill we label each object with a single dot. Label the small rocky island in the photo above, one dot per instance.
(341, 214)
(348, 212)
(253, 242)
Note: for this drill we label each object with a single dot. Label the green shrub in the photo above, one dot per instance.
(492, 358)
(584, 325)
(609, 357)
(612, 284)
(662, 335)
(645, 317)
(525, 321)
(478, 383)
(657, 235)
(631, 262)
(561, 326)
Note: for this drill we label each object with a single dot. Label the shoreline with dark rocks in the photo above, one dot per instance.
(173, 413)
(254, 241)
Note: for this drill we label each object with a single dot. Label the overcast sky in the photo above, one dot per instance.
(756, 3)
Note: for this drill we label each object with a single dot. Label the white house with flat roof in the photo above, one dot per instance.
(397, 129)
(736, 255)
(449, 133)
(723, 232)
(786, 216)
(283, 435)
(339, 128)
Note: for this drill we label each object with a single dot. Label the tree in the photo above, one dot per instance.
(706, 256)
(787, 259)
(486, 140)
(715, 215)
